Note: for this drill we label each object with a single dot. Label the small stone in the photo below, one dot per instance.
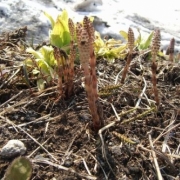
(116, 150)
(16, 117)
(22, 118)
(13, 148)
(68, 163)
(87, 5)
(84, 117)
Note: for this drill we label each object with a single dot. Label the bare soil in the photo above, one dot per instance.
(72, 150)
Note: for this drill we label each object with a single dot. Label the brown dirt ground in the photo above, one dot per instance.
(64, 127)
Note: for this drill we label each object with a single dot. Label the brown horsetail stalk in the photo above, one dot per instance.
(72, 57)
(85, 39)
(129, 58)
(178, 57)
(65, 65)
(64, 72)
(58, 58)
(154, 50)
(170, 50)
(90, 29)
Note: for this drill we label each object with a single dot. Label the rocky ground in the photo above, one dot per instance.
(58, 134)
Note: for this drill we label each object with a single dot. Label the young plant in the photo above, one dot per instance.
(129, 58)
(85, 39)
(109, 49)
(72, 56)
(154, 51)
(20, 169)
(42, 66)
(59, 35)
(61, 71)
(141, 42)
(65, 65)
(53, 62)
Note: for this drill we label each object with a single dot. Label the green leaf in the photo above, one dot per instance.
(28, 62)
(48, 56)
(98, 41)
(91, 18)
(64, 16)
(60, 35)
(52, 73)
(102, 51)
(161, 54)
(145, 43)
(20, 169)
(50, 19)
(46, 69)
(138, 40)
(43, 65)
(111, 43)
(41, 84)
(60, 38)
(124, 35)
(120, 49)
(35, 71)
(36, 54)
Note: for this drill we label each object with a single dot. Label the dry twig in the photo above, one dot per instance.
(155, 158)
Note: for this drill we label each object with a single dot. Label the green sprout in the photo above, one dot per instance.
(142, 42)
(109, 49)
(59, 35)
(19, 169)
(43, 67)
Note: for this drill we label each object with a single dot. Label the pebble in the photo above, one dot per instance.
(13, 148)
(68, 163)
(87, 5)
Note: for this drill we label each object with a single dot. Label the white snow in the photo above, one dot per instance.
(119, 14)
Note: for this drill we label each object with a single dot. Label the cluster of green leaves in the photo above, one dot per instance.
(109, 49)
(43, 66)
(141, 43)
(59, 36)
